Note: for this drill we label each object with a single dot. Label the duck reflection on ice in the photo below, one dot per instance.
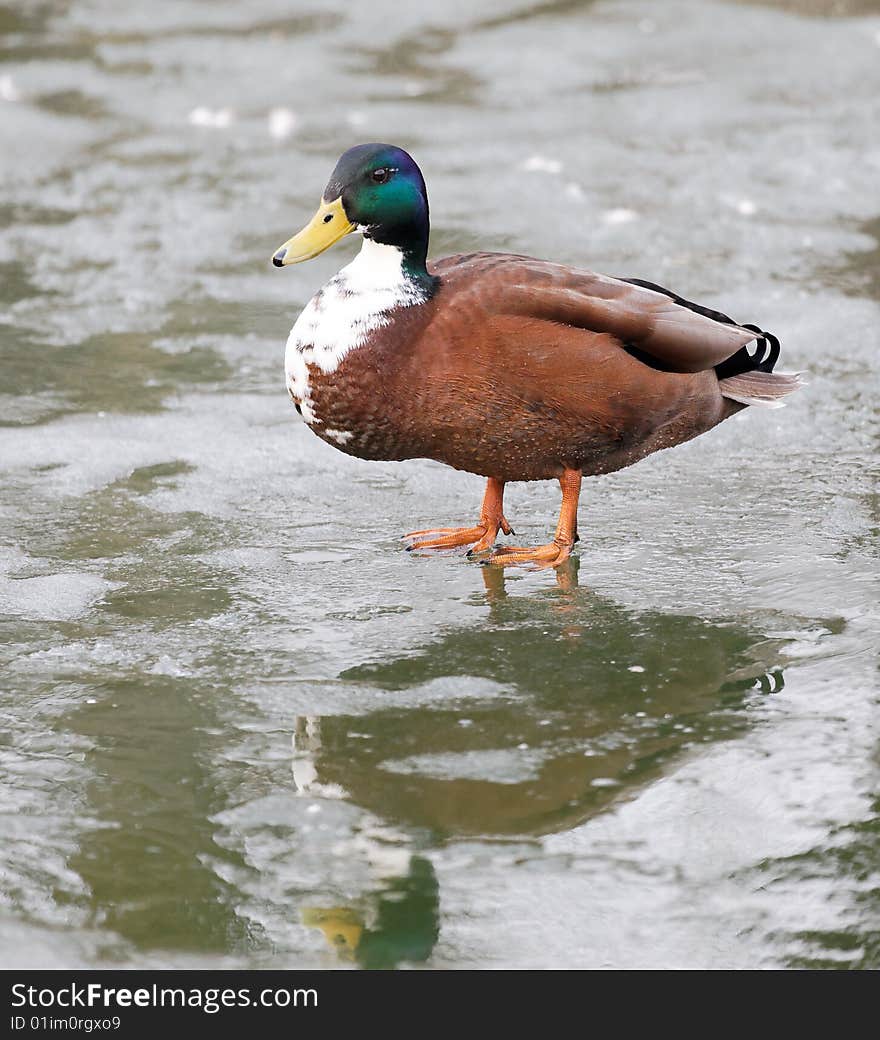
(397, 922)
(591, 701)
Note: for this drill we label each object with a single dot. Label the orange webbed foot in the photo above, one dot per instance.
(557, 552)
(554, 554)
(481, 537)
(440, 538)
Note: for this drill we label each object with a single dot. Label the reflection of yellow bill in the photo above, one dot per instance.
(327, 226)
(342, 926)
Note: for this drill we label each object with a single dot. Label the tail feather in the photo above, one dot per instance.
(765, 388)
(747, 376)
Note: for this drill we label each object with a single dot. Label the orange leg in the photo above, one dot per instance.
(492, 520)
(559, 550)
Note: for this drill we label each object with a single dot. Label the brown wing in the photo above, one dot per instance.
(681, 339)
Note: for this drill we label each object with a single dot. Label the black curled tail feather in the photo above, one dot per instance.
(749, 379)
(763, 358)
(769, 347)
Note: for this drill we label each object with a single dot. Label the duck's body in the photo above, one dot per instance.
(511, 368)
(462, 378)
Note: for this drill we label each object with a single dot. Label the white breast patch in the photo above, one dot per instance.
(340, 317)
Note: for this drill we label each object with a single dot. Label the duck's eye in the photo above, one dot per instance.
(381, 175)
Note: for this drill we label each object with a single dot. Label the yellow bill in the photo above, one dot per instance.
(327, 226)
(342, 926)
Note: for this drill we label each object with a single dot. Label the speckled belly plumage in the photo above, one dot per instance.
(352, 413)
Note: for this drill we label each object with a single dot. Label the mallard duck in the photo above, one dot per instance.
(501, 365)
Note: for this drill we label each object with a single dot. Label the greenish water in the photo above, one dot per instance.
(239, 726)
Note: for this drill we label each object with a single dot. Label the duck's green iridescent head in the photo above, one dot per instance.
(377, 189)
